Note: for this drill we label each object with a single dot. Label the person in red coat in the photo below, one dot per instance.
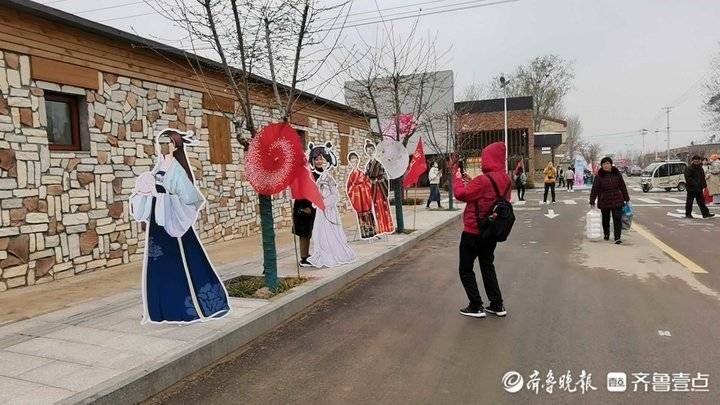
(611, 194)
(479, 196)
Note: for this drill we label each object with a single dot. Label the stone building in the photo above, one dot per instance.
(482, 122)
(79, 105)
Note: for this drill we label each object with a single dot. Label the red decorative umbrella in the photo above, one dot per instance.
(276, 160)
(275, 153)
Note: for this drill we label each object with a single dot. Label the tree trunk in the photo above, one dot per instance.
(398, 188)
(267, 225)
(450, 195)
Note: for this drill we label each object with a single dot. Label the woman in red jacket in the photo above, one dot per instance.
(611, 194)
(479, 195)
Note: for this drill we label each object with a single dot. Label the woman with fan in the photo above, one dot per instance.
(330, 247)
(179, 284)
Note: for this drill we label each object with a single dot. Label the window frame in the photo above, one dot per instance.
(73, 101)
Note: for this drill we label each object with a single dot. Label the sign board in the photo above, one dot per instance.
(546, 148)
(546, 152)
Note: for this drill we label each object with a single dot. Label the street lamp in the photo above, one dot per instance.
(503, 85)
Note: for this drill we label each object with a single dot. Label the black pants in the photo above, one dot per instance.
(570, 184)
(698, 196)
(473, 247)
(562, 182)
(520, 191)
(617, 222)
(549, 186)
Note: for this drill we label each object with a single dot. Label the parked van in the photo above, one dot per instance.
(667, 175)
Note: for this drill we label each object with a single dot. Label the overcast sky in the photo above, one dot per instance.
(632, 57)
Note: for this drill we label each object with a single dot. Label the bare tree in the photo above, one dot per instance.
(285, 40)
(474, 91)
(393, 77)
(711, 94)
(590, 151)
(574, 135)
(546, 78)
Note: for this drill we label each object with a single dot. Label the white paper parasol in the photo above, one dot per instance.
(393, 156)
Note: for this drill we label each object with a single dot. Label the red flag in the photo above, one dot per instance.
(303, 187)
(418, 166)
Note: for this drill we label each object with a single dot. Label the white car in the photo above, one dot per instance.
(635, 171)
(667, 175)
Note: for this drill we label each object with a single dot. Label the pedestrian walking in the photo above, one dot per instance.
(434, 177)
(561, 178)
(520, 182)
(570, 178)
(550, 174)
(695, 183)
(611, 194)
(713, 180)
(480, 195)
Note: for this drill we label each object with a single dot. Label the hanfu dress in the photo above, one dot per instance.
(330, 247)
(179, 282)
(359, 190)
(380, 189)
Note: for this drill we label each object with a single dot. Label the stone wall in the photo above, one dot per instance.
(64, 213)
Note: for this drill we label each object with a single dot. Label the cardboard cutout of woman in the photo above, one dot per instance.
(380, 190)
(330, 247)
(359, 191)
(179, 283)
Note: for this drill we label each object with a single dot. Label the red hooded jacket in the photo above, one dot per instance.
(480, 189)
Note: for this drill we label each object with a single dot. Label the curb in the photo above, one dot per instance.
(141, 383)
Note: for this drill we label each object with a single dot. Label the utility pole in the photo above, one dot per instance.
(656, 144)
(667, 111)
(643, 132)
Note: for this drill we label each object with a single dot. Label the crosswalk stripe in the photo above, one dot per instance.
(570, 202)
(674, 200)
(648, 200)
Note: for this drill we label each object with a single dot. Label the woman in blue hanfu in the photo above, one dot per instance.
(330, 246)
(179, 284)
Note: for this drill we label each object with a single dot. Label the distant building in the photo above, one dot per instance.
(550, 143)
(436, 106)
(482, 122)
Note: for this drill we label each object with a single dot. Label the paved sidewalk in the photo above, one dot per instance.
(97, 350)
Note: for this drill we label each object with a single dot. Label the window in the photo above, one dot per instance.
(63, 121)
(678, 169)
(219, 142)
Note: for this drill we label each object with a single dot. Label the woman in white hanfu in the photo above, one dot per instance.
(179, 284)
(330, 246)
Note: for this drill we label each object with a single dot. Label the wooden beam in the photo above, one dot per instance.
(218, 103)
(63, 73)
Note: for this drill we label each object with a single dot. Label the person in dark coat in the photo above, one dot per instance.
(611, 194)
(695, 183)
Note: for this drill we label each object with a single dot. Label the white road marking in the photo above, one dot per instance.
(570, 202)
(519, 202)
(674, 200)
(648, 200)
(664, 333)
(551, 214)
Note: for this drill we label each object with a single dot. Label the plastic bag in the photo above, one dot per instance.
(627, 215)
(593, 225)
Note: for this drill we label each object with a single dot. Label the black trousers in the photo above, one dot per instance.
(520, 191)
(549, 186)
(570, 184)
(617, 222)
(473, 247)
(561, 182)
(698, 196)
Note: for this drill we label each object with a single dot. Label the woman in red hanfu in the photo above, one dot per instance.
(359, 190)
(379, 189)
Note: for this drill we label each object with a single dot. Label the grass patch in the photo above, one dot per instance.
(247, 286)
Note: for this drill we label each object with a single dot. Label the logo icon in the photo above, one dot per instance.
(616, 382)
(512, 382)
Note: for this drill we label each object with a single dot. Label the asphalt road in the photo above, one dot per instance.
(395, 337)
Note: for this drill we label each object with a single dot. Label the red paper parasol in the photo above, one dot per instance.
(274, 156)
